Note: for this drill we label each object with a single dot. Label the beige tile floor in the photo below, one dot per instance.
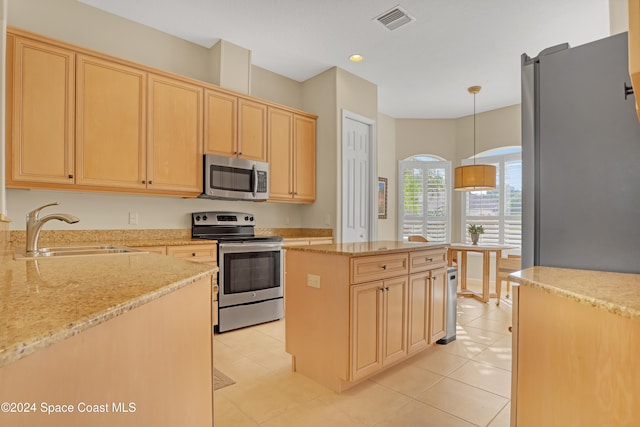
(464, 383)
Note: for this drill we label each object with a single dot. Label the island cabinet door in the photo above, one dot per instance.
(378, 325)
(394, 340)
(438, 305)
(419, 311)
(366, 328)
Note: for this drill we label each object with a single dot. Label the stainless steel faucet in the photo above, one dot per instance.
(34, 225)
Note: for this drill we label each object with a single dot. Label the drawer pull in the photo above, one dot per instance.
(193, 254)
(429, 259)
(384, 267)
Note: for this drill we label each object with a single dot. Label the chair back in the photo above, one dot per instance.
(417, 239)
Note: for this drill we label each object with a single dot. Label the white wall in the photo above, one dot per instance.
(111, 211)
(387, 168)
(319, 97)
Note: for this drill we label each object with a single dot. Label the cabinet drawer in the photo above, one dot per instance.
(198, 253)
(162, 250)
(366, 269)
(427, 260)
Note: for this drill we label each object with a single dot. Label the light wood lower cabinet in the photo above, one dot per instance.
(302, 241)
(378, 325)
(350, 317)
(573, 363)
(197, 253)
(153, 363)
(200, 253)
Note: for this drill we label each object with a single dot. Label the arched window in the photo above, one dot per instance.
(499, 211)
(424, 197)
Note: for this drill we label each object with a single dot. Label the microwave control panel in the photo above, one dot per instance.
(262, 182)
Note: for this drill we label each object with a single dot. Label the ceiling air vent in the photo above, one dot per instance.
(395, 18)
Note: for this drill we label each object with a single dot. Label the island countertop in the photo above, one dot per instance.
(366, 248)
(617, 293)
(47, 300)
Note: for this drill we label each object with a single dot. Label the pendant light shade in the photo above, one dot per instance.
(475, 177)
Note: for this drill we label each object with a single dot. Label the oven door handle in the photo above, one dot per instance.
(249, 247)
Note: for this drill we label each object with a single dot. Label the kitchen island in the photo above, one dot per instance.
(576, 342)
(112, 340)
(354, 309)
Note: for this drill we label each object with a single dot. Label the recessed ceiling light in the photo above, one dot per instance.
(356, 57)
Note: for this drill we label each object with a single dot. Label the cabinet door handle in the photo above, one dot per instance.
(193, 254)
(70, 176)
(143, 181)
(150, 182)
(384, 267)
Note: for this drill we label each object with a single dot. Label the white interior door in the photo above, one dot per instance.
(358, 170)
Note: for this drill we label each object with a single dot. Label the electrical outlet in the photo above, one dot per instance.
(313, 281)
(133, 218)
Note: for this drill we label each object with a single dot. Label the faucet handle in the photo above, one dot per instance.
(34, 213)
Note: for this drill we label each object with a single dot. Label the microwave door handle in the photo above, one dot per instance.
(255, 180)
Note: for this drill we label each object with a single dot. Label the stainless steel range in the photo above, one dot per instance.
(251, 276)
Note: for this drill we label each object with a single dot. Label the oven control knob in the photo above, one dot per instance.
(204, 218)
(251, 219)
(246, 218)
(198, 218)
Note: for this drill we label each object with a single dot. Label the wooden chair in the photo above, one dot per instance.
(506, 266)
(417, 239)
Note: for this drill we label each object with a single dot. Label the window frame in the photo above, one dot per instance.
(436, 163)
(500, 160)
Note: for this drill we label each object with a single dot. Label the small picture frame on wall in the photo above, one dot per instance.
(382, 198)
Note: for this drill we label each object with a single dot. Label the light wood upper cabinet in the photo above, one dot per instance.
(634, 49)
(40, 120)
(252, 130)
(235, 126)
(292, 157)
(110, 127)
(220, 123)
(280, 155)
(82, 120)
(174, 135)
(304, 156)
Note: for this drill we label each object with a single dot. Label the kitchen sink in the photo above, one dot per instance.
(65, 251)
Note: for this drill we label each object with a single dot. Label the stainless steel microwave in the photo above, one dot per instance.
(235, 179)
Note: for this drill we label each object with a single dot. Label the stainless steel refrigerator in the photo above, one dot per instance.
(581, 159)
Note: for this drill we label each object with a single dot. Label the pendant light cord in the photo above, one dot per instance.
(474, 129)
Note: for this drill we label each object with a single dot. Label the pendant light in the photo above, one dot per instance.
(475, 177)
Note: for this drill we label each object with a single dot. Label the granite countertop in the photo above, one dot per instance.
(47, 300)
(367, 248)
(617, 293)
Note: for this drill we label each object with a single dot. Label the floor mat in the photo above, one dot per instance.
(220, 380)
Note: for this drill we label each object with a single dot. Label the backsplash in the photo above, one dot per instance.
(65, 237)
